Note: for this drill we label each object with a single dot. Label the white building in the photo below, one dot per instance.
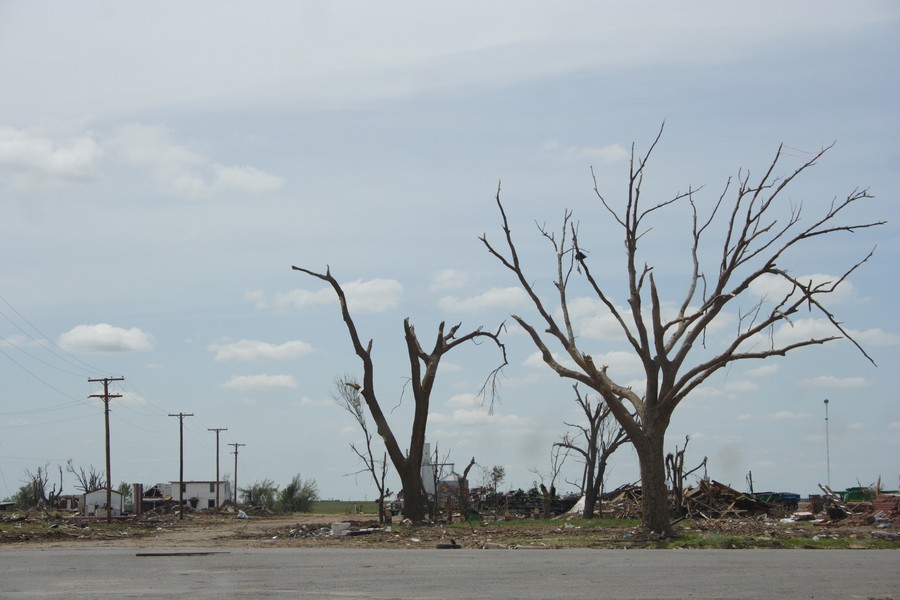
(202, 494)
(199, 495)
(93, 504)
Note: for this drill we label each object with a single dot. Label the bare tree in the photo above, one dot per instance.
(462, 490)
(86, 481)
(675, 473)
(347, 395)
(36, 490)
(558, 455)
(423, 371)
(600, 438)
(757, 231)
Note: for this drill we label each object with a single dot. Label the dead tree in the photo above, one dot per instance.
(86, 481)
(756, 228)
(462, 490)
(35, 492)
(675, 474)
(347, 396)
(423, 372)
(558, 455)
(600, 438)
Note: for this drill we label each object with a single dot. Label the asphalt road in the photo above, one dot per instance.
(522, 574)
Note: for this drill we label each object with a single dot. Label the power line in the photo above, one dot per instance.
(68, 358)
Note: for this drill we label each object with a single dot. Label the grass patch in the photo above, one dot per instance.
(345, 507)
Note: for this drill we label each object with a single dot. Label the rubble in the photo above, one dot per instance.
(711, 499)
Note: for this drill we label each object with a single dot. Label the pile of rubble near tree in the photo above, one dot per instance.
(713, 500)
(709, 499)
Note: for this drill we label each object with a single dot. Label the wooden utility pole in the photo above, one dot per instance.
(106, 396)
(181, 417)
(235, 469)
(217, 430)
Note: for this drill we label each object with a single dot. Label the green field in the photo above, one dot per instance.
(345, 507)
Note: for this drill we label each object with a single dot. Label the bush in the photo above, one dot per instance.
(298, 495)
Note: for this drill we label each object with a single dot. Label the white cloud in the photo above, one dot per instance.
(619, 363)
(741, 386)
(875, 337)
(258, 298)
(593, 319)
(781, 415)
(16, 341)
(297, 299)
(606, 155)
(448, 279)
(536, 361)
(800, 330)
(371, 296)
(463, 400)
(31, 158)
(506, 299)
(474, 417)
(104, 338)
(257, 350)
(894, 426)
(246, 178)
(706, 392)
(829, 381)
(260, 382)
(856, 426)
(786, 415)
(764, 370)
(182, 171)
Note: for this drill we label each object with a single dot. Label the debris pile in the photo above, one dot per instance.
(713, 500)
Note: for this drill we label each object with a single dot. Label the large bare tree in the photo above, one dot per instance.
(598, 440)
(423, 372)
(747, 232)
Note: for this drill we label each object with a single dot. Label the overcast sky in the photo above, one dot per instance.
(164, 164)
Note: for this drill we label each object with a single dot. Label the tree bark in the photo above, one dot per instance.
(654, 493)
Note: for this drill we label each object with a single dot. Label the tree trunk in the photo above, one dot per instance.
(654, 493)
(590, 502)
(413, 498)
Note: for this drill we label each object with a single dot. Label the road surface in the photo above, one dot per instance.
(439, 574)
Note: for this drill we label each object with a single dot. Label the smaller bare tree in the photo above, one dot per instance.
(675, 474)
(558, 455)
(600, 438)
(35, 492)
(462, 490)
(86, 481)
(491, 478)
(347, 395)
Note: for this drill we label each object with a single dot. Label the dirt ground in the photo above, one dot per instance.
(224, 530)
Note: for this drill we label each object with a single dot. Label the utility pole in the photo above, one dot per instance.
(106, 396)
(217, 430)
(827, 450)
(181, 417)
(235, 469)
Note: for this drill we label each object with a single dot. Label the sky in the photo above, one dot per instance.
(164, 164)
